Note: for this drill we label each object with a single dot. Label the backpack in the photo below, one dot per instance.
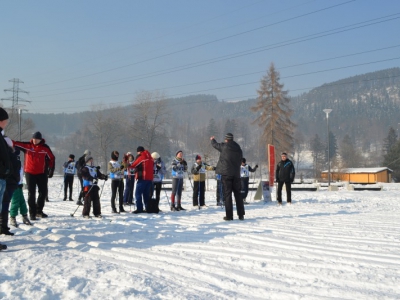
(152, 206)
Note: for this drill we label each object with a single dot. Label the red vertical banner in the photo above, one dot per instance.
(271, 164)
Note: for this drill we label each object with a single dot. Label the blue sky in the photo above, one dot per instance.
(72, 55)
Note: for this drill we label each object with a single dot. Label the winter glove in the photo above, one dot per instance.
(106, 178)
(198, 167)
(184, 163)
(256, 166)
(158, 167)
(98, 167)
(51, 173)
(122, 167)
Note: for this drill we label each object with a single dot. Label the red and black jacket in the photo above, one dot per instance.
(38, 158)
(143, 165)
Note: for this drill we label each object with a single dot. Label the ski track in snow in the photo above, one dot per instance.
(327, 245)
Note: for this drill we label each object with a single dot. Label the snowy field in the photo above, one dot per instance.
(327, 245)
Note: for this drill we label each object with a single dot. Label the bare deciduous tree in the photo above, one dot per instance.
(150, 116)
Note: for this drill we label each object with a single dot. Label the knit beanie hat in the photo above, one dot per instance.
(114, 155)
(198, 157)
(243, 160)
(37, 135)
(3, 114)
(71, 156)
(176, 154)
(140, 149)
(229, 136)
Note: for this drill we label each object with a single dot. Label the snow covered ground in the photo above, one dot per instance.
(327, 245)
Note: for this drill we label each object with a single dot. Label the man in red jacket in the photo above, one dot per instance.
(38, 167)
(143, 165)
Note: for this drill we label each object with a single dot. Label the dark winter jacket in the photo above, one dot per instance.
(230, 158)
(14, 178)
(143, 166)
(39, 159)
(285, 171)
(5, 163)
(80, 164)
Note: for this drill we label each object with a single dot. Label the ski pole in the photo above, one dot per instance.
(221, 195)
(102, 189)
(84, 199)
(62, 185)
(169, 205)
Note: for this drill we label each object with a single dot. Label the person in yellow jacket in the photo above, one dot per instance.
(199, 180)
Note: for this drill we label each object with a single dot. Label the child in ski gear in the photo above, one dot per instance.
(245, 170)
(284, 175)
(39, 166)
(116, 170)
(199, 180)
(143, 166)
(69, 172)
(129, 179)
(18, 201)
(229, 167)
(158, 176)
(179, 167)
(79, 165)
(90, 176)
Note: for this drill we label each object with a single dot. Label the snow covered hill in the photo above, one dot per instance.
(327, 245)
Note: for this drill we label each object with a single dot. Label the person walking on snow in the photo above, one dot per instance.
(39, 166)
(69, 172)
(143, 166)
(90, 176)
(116, 170)
(284, 175)
(199, 180)
(245, 170)
(179, 167)
(228, 166)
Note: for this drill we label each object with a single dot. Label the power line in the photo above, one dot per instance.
(307, 88)
(155, 38)
(199, 45)
(251, 73)
(251, 51)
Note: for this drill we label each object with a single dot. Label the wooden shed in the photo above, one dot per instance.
(360, 175)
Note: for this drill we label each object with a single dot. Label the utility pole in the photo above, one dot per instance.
(16, 91)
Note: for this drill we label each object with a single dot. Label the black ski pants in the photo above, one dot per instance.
(156, 187)
(288, 186)
(198, 192)
(81, 190)
(232, 184)
(245, 186)
(91, 195)
(39, 180)
(117, 185)
(68, 183)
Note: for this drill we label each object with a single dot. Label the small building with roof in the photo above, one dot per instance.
(360, 175)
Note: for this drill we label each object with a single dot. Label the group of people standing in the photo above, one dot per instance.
(145, 170)
(38, 168)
